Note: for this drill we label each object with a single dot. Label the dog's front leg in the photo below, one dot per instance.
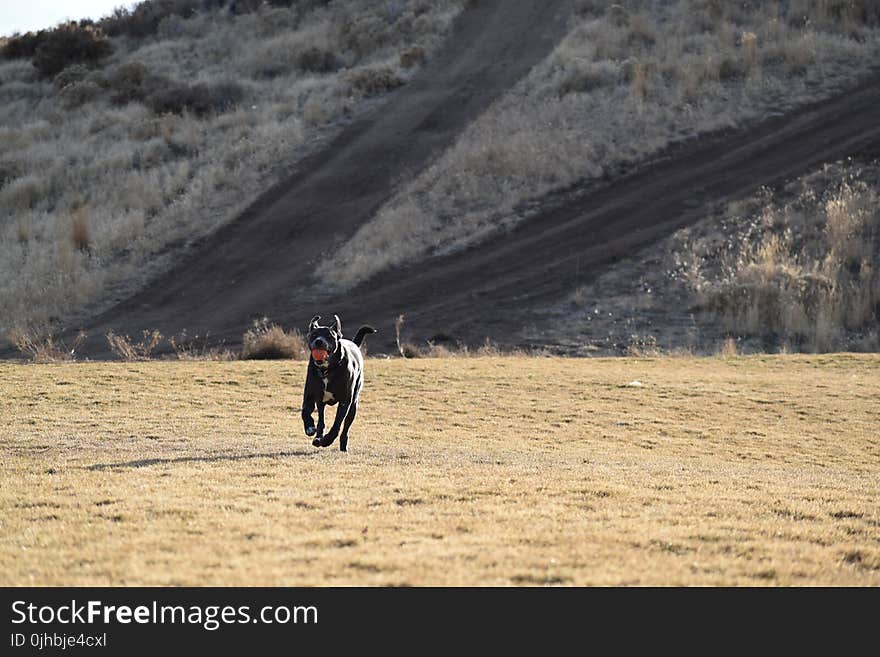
(320, 434)
(341, 412)
(307, 408)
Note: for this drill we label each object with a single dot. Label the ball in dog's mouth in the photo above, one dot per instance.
(320, 355)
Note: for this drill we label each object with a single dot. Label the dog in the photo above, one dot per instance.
(335, 376)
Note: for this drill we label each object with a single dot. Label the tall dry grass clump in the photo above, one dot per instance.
(266, 341)
(42, 346)
(124, 348)
(804, 274)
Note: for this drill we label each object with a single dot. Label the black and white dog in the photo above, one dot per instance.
(335, 375)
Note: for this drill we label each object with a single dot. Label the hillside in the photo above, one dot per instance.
(123, 144)
(625, 82)
(796, 268)
(533, 147)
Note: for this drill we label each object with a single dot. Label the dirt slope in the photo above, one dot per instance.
(494, 288)
(260, 265)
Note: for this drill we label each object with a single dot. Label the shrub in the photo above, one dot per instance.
(134, 82)
(804, 273)
(43, 348)
(373, 81)
(70, 44)
(187, 348)
(125, 349)
(23, 46)
(80, 229)
(144, 19)
(315, 60)
(201, 99)
(271, 342)
(584, 79)
(413, 57)
(70, 75)
(129, 83)
(77, 94)
(9, 171)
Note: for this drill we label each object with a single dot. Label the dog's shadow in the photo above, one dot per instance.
(211, 458)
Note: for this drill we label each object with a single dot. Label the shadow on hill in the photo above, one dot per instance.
(144, 463)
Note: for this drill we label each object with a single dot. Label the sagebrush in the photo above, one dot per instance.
(802, 273)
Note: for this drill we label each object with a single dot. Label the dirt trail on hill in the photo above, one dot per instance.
(261, 264)
(494, 289)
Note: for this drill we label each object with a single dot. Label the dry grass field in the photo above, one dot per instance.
(472, 471)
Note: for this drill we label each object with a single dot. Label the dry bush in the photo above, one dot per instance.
(316, 60)
(126, 349)
(372, 82)
(134, 82)
(626, 81)
(643, 347)
(410, 350)
(201, 99)
(69, 44)
(42, 346)
(80, 229)
(728, 348)
(144, 19)
(452, 349)
(191, 349)
(267, 341)
(803, 273)
(489, 349)
(413, 57)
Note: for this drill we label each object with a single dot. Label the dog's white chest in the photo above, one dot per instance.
(328, 396)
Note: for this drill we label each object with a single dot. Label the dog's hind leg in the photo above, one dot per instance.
(349, 418)
(307, 408)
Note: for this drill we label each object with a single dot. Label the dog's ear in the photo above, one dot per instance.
(314, 323)
(337, 325)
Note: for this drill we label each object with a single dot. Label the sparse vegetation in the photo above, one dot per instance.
(198, 348)
(790, 270)
(51, 51)
(128, 350)
(43, 346)
(627, 80)
(802, 272)
(748, 471)
(266, 341)
(113, 164)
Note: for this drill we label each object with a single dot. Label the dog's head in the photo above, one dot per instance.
(324, 340)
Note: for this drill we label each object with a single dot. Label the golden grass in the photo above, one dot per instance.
(483, 471)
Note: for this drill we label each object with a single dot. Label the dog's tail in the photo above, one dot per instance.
(363, 331)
